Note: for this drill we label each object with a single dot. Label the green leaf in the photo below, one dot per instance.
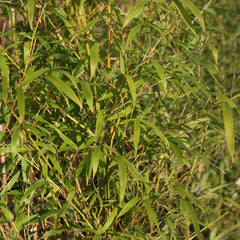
(31, 75)
(31, 10)
(134, 12)
(5, 210)
(177, 152)
(151, 213)
(88, 94)
(65, 138)
(122, 63)
(109, 220)
(55, 163)
(157, 131)
(15, 140)
(131, 87)
(161, 74)
(132, 34)
(129, 205)
(229, 127)
(32, 188)
(185, 210)
(64, 87)
(185, 16)
(27, 53)
(21, 103)
(194, 218)
(99, 124)
(53, 233)
(123, 177)
(10, 183)
(134, 171)
(94, 58)
(195, 11)
(136, 134)
(95, 156)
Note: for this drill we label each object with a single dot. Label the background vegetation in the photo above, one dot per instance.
(118, 119)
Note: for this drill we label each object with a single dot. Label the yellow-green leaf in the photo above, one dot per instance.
(229, 127)
(88, 94)
(31, 10)
(136, 134)
(185, 16)
(161, 74)
(132, 203)
(21, 103)
(131, 87)
(109, 220)
(195, 11)
(134, 12)
(94, 58)
(64, 87)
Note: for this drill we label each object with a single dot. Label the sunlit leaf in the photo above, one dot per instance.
(129, 205)
(21, 103)
(65, 88)
(109, 220)
(31, 10)
(94, 58)
(134, 12)
(229, 127)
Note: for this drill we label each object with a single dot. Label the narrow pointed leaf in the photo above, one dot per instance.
(123, 177)
(161, 74)
(131, 87)
(10, 183)
(136, 134)
(88, 94)
(95, 156)
(194, 219)
(99, 124)
(31, 9)
(64, 87)
(151, 213)
(229, 127)
(157, 131)
(134, 12)
(21, 103)
(94, 58)
(129, 205)
(195, 11)
(109, 220)
(132, 34)
(185, 16)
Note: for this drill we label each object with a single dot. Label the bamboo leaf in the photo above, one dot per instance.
(10, 183)
(229, 127)
(94, 58)
(194, 219)
(123, 177)
(161, 74)
(151, 213)
(109, 220)
(136, 134)
(95, 156)
(129, 205)
(65, 88)
(185, 16)
(88, 94)
(131, 87)
(21, 103)
(157, 131)
(99, 124)
(134, 12)
(195, 11)
(55, 163)
(31, 10)
(32, 188)
(132, 34)
(66, 139)
(27, 53)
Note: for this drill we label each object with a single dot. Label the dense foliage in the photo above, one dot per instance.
(117, 119)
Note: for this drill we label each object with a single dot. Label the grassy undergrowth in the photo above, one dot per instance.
(118, 120)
